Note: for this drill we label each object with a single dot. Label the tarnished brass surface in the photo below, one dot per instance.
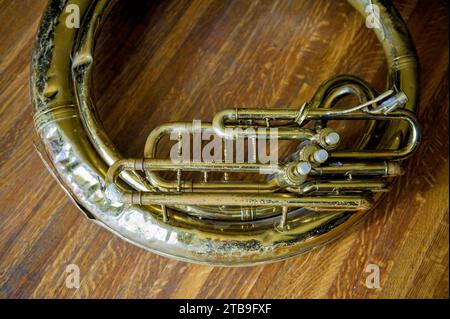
(224, 223)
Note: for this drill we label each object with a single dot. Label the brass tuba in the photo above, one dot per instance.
(306, 200)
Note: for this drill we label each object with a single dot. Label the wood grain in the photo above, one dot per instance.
(159, 61)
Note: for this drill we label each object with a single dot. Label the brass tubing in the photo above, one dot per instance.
(82, 62)
(165, 185)
(333, 186)
(284, 217)
(385, 169)
(218, 127)
(280, 133)
(326, 95)
(150, 165)
(166, 129)
(330, 91)
(271, 185)
(399, 50)
(356, 169)
(181, 127)
(138, 165)
(163, 165)
(347, 203)
(234, 213)
(402, 115)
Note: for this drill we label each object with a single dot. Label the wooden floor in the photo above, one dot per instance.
(160, 61)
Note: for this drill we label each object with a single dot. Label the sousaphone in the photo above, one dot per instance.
(200, 210)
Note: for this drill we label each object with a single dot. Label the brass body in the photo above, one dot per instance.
(222, 222)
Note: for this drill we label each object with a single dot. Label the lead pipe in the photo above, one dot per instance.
(344, 202)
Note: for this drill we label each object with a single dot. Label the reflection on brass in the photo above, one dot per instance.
(307, 199)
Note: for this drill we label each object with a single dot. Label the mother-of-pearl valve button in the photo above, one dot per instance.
(320, 156)
(332, 138)
(303, 168)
